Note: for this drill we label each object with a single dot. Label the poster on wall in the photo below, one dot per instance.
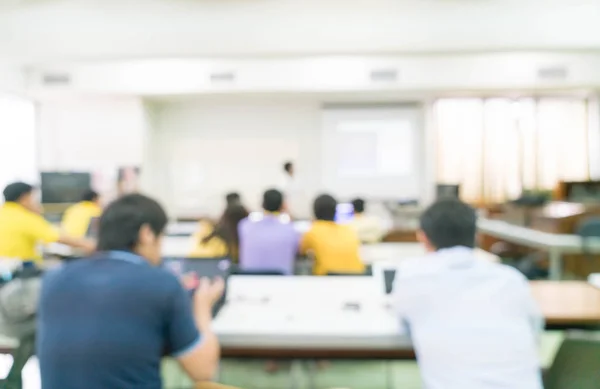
(128, 180)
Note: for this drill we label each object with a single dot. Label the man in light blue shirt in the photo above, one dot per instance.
(268, 241)
(473, 324)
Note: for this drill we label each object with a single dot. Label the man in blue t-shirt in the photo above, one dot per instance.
(106, 321)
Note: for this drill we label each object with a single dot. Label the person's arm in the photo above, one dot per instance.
(200, 359)
(87, 245)
(532, 310)
(43, 231)
(400, 300)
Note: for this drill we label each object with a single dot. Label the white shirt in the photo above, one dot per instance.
(473, 324)
(294, 196)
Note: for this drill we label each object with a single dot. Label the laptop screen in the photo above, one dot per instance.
(202, 267)
(344, 213)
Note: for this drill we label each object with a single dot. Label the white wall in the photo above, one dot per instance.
(91, 133)
(76, 29)
(12, 79)
(513, 71)
(202, 148)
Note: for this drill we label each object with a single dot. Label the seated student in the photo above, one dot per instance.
(368, 228)
(334, 246)
(233, 198)
(473, 323)
(268, 241)
(221, 240)
(23, 228)
(106, 322)
(76, 219)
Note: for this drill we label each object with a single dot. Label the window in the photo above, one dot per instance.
(496, 148)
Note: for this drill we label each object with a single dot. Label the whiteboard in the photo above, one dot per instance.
(373, 152)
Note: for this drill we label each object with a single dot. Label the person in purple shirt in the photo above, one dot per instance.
(268, 241)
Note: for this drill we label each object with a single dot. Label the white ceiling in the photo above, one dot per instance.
(43, 31)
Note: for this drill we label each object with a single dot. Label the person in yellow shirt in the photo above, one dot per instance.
(77, 218)
(221, 239)
(22, 226)
(369, 228)
(335, 247)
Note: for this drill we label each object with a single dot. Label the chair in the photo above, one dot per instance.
(576, 363)
(212, 385)
(257, 272)
(366, 273)
(588, 228)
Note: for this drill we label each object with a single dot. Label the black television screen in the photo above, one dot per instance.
(447, 191)
(61, 187)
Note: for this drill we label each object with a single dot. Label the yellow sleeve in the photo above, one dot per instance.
(41, 230)
(306, 243)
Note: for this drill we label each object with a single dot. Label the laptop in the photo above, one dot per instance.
(203, 267)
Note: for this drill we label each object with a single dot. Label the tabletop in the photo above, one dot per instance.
(567, 302)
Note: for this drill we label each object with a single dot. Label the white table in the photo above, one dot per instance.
(181, 228)
(555, 244)
(301, 314)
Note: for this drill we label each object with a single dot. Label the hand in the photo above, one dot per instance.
(89, 246)
(208, 292)
(190, 281)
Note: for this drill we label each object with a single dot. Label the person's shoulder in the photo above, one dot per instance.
(244, 223)
(506, 272)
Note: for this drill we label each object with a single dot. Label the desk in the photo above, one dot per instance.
(181, 229)
(555, 244)
(568, 302)
(269, 317)
(389, 252)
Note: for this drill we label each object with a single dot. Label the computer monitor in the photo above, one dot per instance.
(344, 213)
(64, 187)
(202, 267)
(444, 191)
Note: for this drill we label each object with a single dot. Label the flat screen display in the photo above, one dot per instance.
(64, 187)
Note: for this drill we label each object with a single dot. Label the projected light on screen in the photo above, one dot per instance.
(375, 148)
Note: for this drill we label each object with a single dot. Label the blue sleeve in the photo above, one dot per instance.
(181, 332)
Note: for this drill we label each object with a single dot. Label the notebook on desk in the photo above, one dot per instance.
(202, 267)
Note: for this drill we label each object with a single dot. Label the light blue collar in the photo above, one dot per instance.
(126, 256)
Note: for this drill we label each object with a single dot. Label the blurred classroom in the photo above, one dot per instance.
(386, 105)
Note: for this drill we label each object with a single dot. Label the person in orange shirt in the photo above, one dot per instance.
(335, 247)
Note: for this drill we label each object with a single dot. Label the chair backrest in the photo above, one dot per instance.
(212, 385)
(576, 363)
(588, 228)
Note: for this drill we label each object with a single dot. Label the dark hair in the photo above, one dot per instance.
(324, 207)
(227, 228)
(89, 195)
(232, 198)
(13, 192)
(121, 221)
(288, 166)
(272, 200)
(449, 223)
(358, 205)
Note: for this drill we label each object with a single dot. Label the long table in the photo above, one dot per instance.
(555, 244)
(276, 317)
